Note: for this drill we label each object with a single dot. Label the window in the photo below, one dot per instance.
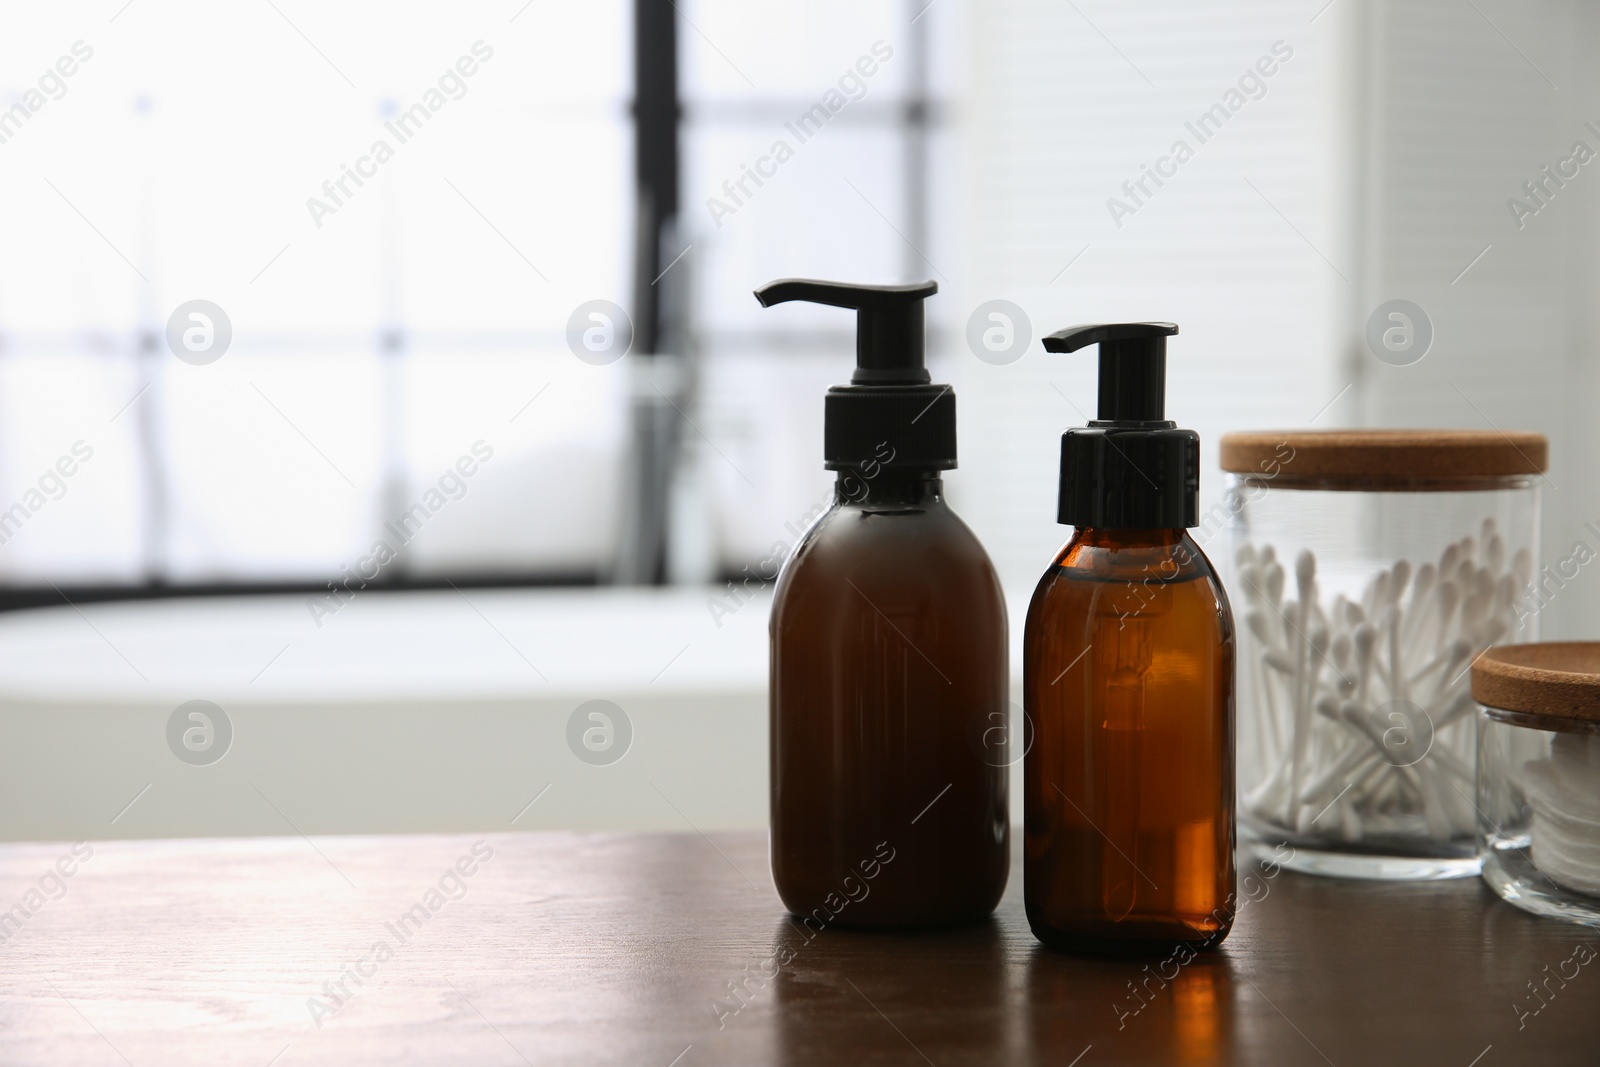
(383, 327)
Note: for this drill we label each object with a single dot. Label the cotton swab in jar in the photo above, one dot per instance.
(1365, 695)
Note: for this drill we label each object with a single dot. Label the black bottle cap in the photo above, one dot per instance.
(1131, 468)
(890, 412)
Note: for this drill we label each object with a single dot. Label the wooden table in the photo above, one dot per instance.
(564, 948)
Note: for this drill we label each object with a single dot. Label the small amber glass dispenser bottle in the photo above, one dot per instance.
(889, 656)
(1128, 681)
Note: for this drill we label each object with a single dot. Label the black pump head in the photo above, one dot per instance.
(890, 408)
(891, 340)
(1130, 468)
(1133, 366)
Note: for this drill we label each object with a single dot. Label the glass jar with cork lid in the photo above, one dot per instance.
(1369, 569)
(1539, 776)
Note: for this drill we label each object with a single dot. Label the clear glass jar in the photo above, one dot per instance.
(1369, 569)
(1539, 777)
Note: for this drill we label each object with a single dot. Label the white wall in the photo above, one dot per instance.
(1464, 105)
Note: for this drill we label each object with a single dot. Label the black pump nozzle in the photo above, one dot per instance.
(890, 415)
(1130, 468)
(890, 336)
(1133, 366)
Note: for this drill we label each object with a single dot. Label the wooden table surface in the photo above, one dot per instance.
(562, 948)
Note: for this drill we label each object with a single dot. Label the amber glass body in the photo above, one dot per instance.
(1129, 783)
(888, 706)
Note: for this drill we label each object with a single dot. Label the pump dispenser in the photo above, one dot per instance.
(889, 655)
(1130, 468)
(890, 390)
(1128, 681)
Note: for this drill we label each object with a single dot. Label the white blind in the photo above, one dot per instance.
(1242, 245)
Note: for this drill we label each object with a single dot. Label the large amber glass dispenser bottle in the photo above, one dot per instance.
(889, 656)
(1128, 680)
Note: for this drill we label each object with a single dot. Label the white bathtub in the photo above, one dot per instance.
(402, 712)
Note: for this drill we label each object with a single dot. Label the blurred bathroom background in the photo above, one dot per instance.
(532, 317)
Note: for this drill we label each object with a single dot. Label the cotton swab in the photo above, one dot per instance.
(1365, 696)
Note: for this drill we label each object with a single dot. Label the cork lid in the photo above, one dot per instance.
(1379, 458)
(1558, 680)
